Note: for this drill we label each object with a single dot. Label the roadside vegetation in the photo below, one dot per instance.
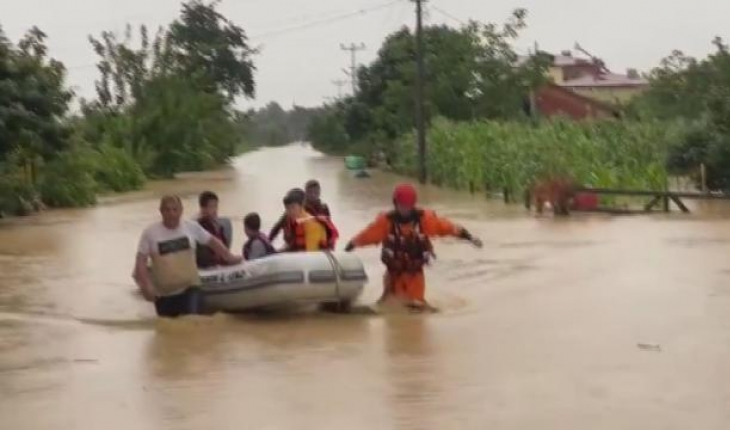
(165, 104)
(480, 134)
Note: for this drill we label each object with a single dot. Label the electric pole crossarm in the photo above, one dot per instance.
(353, 62)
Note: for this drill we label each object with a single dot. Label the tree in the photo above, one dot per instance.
(167, 102)
(206, 45)
(34, 100)
(471, 73)
(696, 92)
(684, 87)
(274, 126)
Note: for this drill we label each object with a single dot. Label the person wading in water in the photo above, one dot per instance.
(173, 284)
(405, 235)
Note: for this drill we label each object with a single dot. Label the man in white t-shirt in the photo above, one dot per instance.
(173, 284)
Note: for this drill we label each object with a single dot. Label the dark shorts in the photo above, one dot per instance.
(189, 302)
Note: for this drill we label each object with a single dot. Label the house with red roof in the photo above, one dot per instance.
(585, 88)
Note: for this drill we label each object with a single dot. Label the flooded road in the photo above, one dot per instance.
(588, 323)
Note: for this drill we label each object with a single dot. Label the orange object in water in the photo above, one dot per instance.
(408, 284)
(585, 201)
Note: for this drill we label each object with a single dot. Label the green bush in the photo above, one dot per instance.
(17, 196)
(68, 180)
(702, 143)
(116, 170)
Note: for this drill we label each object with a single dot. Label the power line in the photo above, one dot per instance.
(326, 20)
(316, 23)
(446, 14)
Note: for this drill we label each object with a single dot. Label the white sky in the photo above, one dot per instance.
(299, 66)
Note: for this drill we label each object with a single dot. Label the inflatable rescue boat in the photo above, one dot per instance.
(327, 278)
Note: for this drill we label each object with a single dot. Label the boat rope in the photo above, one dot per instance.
(337, 271)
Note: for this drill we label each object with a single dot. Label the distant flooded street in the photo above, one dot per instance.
(594, 322)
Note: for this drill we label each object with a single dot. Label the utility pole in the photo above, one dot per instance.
(339, 83)
(533, 101)
(420, 120)
(353, 62)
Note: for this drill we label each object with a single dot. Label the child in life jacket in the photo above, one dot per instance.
(257, 245)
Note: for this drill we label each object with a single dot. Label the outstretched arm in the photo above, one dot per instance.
(433, 225)
(205, 238)
(374, 233)
(220, 249)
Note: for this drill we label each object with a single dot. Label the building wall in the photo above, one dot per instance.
(553, 101)
(556, 74)
(614, 95)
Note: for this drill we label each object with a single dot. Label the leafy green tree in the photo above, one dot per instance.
(274, 126)
(33, 99)
(471, 73)
(206, 45)
(696, 92)
(167, 101)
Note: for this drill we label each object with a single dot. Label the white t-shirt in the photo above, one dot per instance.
(158, 239)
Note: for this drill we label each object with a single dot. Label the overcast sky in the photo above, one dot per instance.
(298, 65)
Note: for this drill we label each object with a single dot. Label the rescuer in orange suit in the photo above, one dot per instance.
(404, 234)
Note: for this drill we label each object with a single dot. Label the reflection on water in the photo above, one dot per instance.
(537, 330)
(413, 367)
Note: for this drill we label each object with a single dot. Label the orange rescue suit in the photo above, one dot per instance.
(406, 247)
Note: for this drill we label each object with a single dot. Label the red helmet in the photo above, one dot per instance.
(405, 195)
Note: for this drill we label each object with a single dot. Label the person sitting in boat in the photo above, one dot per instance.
(257, 245)
(404, 234)
(313, 204)
(304, 231)
(208, 219)
(173, 281)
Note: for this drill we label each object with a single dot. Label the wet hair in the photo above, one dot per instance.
(170, 199)
(312, 183)
(252, 221)
(206, 197)
(294, 196)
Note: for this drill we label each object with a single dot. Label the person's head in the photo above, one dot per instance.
(404, 199)
(252, 224)
(294, 203)
(313, 190)
(208, 202)
(171, 210)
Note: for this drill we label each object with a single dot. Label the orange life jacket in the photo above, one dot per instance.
(406, 252)
(295, 238)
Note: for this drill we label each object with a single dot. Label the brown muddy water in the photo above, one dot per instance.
(594, 322)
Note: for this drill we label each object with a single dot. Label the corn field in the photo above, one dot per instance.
(498, 156)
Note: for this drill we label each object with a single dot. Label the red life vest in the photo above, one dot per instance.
(405, 252)
(295, 239)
